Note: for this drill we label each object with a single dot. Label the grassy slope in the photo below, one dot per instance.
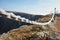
(29, 32)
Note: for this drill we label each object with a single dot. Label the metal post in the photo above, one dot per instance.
(54, 12)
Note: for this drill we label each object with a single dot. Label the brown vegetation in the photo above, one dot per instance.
(29, 32)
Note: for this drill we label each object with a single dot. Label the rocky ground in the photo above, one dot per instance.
(33, 32)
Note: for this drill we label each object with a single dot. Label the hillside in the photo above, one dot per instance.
(35, 32)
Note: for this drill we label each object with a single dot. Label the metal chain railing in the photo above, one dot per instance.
(5, 14)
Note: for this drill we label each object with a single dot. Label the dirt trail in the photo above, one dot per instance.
(57, 24)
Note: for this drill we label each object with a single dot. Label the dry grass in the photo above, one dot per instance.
(27, 33)
(57, 24)
(24, 33)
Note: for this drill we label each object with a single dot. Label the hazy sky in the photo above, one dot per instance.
(31, 6)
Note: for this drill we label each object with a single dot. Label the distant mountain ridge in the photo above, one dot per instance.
(28, 16)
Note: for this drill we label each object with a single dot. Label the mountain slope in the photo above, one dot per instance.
(9, 24)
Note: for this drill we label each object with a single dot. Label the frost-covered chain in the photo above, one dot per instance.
(5, 14)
